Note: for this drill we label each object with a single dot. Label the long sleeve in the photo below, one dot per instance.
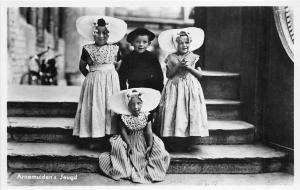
(83, 62)
(84, 55)
(123, 73)
(159, 73)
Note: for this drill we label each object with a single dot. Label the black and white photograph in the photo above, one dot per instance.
(136, 95)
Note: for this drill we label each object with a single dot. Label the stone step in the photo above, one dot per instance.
(223, 109)
(213, 159)
(49, 101)
(41, 129)
(221, 85)
(216, 109)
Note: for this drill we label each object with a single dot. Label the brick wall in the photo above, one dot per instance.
(21, 44)
(73, 49)
(60, 62)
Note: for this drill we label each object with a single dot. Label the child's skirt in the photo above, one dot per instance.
(135, 167)
(93, 116)
(182, 110)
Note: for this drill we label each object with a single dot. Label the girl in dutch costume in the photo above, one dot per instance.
(182, 109)
(136, 153)
(94, 119)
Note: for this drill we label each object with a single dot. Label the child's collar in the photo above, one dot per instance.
(181, 57)
(135, 52)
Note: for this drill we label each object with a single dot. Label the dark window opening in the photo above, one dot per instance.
(48, 24)
(28, 14)
(23, 11)
(60, 22)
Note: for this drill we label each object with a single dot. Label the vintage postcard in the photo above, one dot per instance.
(155, 93)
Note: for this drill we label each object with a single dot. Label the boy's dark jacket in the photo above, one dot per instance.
(141, 70)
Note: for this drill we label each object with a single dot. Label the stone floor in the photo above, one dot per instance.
(64, 94)
(92, 179)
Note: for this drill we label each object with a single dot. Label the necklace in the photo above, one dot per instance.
(181, 58)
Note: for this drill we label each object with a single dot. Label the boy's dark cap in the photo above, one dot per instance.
(140, 31)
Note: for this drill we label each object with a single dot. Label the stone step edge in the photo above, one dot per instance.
(60, 130)
(207, 101)
(199, 153)
(21, 93)
(67, 123)
(42, 157)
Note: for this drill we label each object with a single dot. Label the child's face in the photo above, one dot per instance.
(183, 44)
(101, 35)
(141, 43)
(135, 106)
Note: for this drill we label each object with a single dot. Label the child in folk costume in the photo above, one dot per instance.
(136, 154)
(182, 110)
(94, 118)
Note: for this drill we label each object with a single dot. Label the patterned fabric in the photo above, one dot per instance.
(182, 109)
(102, 54)
(117, 164)
(135, 123)
(173, 61)
(93, 116)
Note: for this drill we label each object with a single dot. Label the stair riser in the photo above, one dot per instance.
(221, 87)
(223, 112)
(227, 166)
(177, 166)
(35, 109)
(53, 164)
(40, 135)
(65, 135)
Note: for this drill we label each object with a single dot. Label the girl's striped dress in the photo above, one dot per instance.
(117, 164)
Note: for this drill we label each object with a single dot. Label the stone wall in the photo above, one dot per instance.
(72, 38)
(279, 92)
(245, 40)
(22, 43)
(29, 36)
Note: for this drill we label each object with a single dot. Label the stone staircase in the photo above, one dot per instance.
(40, 120)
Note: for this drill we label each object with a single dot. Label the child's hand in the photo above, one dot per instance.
(148, 152)
(181, 68)
(118, 65)
(183, 62)
(129, 150)
(154, 116)
(189, 67)
(186, 67)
